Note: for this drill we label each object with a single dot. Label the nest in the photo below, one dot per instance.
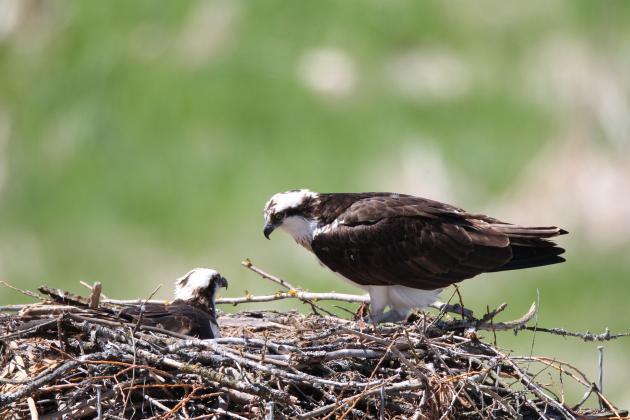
(76, 362)
(72, 357)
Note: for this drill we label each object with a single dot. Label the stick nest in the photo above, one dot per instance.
(76, 362)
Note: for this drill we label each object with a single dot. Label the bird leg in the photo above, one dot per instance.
(392, 316)
(397, 315)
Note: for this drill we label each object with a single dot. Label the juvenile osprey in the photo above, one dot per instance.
(192, 312)
(403, 249)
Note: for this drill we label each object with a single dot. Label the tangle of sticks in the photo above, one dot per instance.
(81, 361)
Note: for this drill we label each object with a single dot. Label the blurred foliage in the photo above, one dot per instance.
(145, 137)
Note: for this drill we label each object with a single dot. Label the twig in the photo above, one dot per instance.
(139, 320)
(212, 375)
(402, 386)
(220, 412)
(247, 263)
(587, 394)
(490, 315)
(99, 406)
(494, 326)
(95, 295)
(533, 387)
(270, 411)
(217, 348)
(32, 408)
(28, 389)
(292, 290)
(156, 403)
(393, 347)
(600, 373)
(28, 330)
(586, 336)
(118, 324)
(24, 292)
(294, 294)
(89, 287)
(13, 308)
(510, 325)
(450, 406)
(64, 297)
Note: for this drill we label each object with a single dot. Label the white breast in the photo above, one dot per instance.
(301, 229)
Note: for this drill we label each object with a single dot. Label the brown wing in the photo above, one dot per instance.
(177, 317)
(425, 244)
(382, 205)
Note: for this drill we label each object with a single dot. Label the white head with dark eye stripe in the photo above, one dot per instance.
(199, 287)
(289, 210)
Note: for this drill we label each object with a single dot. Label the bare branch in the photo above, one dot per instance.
(76, 359)
(95, 295)
(295, 294)
(247, 263)
(586, 336)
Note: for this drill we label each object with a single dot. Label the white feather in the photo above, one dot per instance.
(400, 299)
(289, 199)
(326, 228)
(301, 229)
(196, 279)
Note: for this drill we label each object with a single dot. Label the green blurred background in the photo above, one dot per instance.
(141, 139)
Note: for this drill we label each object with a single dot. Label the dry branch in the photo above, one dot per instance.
(320, 367)
(72, 357)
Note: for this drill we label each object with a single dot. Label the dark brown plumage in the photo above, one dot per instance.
(384, 239)
(193, 311)
(178, 316)
(396, 246)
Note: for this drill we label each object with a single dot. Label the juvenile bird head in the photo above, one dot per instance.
(199, 287)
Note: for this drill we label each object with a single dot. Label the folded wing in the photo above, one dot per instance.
(178, 317)
(425, 244)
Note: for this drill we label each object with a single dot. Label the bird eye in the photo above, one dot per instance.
(278, 217)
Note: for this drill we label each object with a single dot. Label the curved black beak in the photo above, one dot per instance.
(269, 228)
(222, 282)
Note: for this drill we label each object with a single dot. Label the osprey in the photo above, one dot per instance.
(403, 249)
(193, 310)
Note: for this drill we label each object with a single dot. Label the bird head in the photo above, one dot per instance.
(289, 210)
(199, 287)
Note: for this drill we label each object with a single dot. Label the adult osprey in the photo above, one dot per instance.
(403, 249)
(193, 310)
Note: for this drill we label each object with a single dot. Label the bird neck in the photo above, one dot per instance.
(301, 229)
